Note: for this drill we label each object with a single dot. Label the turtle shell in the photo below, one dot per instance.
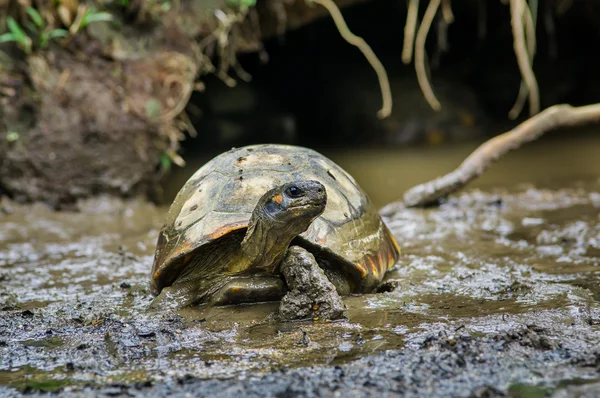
(220, 197)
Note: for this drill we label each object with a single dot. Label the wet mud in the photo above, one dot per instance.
(496, 294)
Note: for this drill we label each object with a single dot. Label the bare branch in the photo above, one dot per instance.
(481, 159)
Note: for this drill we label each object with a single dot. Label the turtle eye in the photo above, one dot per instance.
(293, 192)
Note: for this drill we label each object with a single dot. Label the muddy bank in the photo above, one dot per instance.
(96, 95)
(103, 111)
(496, 294)
(92, 130)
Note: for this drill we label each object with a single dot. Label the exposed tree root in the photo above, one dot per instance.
(420, 66)
(519, 11)
(557, 116)
(418, 42)
(351, 38)
(444, 19)
(530, 18)
(409, 30)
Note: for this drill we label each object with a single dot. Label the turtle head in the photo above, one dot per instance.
(297, 202)
(280, 215)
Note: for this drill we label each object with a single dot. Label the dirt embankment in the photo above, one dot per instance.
(102, 110)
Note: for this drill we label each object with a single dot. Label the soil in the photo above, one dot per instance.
(80, 118)
(88, 131)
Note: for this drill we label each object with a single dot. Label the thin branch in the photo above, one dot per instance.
(557, 116)
(420, 55)
(351, 38)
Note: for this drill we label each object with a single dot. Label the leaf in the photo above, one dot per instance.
(57, 33)
(15, 29)
(31, 26)
(153, 109)
(35, 17)
(243, 3)
(92, 16)
(43, 40)
(165, 161)
(7, 37)
(12, 136)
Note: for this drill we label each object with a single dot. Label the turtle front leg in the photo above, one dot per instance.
(174, 297)
(250, 289)
(311, 294)
(220, 291)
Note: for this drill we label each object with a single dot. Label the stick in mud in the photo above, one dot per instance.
(481, 159)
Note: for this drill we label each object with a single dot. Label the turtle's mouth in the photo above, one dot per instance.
(311, 209)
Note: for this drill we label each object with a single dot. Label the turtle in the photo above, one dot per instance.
(232, 223)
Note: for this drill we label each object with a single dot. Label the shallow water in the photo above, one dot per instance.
(74, 296)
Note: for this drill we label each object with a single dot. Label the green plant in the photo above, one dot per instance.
(39, 34)
(91, 15)
(16, 34)
(39, 28)
(12, 136)
(165, 161)
(243, 4)
(36, 27)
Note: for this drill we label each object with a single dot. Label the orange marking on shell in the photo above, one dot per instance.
(278, 199)
(363, 270)
(379, 263)
(375, 264)
(226, 230)
(394, 243)
(391, 259)
(370, 264)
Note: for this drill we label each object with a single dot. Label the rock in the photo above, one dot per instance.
(311, 294)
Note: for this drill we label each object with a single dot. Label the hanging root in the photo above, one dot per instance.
(409, 30)
(351, 38)
(557, 116)
(530, 17)
(420, 55)
(444, 19)
(223, 41)
(447, 13)
(520, 12)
